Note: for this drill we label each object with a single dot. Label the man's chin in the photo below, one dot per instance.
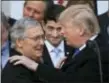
(39, 54)
(37, 57)
(56, 43)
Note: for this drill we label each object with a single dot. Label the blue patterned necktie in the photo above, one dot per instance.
(76, 53)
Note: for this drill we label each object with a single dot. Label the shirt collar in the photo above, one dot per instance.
(84, 45)
(50, 47)
(61, 46)
(93, 37)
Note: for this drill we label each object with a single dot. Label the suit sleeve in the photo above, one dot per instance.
(88, 71)
(49, 74)
(16, 74)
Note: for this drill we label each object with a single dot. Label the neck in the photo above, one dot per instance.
(56, 45)
(84, 40)
(18, 50)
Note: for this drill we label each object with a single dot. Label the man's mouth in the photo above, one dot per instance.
(39, 49)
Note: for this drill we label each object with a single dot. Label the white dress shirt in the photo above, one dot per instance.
(55, 58)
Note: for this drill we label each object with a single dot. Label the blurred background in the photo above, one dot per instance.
(14, 8)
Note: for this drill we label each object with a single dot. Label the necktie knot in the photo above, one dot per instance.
(76, 51)
(56, 50)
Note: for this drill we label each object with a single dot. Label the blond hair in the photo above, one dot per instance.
(91, 3)
(82, 15)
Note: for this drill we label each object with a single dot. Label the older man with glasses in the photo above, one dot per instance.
(27, 40)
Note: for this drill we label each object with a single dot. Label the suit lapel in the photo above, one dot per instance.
(46, 57)
(79, 57)
(68, 50)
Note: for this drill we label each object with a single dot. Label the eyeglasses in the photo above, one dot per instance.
(36, 38)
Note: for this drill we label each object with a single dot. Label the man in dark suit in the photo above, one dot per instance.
(27, 40)
(90, 61)
(104, 24)
(54, 39)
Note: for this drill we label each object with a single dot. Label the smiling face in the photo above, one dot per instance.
(34, 9)
(32, 44)
(53, 32)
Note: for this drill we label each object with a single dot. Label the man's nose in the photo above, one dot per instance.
(62, 32)
(31, 13)
(41, 42)
(55, 33)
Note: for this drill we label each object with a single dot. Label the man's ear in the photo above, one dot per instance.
(80, 30)
(19, 42)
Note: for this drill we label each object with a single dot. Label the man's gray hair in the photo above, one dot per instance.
(19, 28)
(82, 15)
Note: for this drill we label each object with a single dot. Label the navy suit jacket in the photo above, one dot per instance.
(84, 67)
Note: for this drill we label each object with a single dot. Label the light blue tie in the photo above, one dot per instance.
(57, 51)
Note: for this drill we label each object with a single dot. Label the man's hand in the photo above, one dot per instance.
(61, 62)
(28, 63)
